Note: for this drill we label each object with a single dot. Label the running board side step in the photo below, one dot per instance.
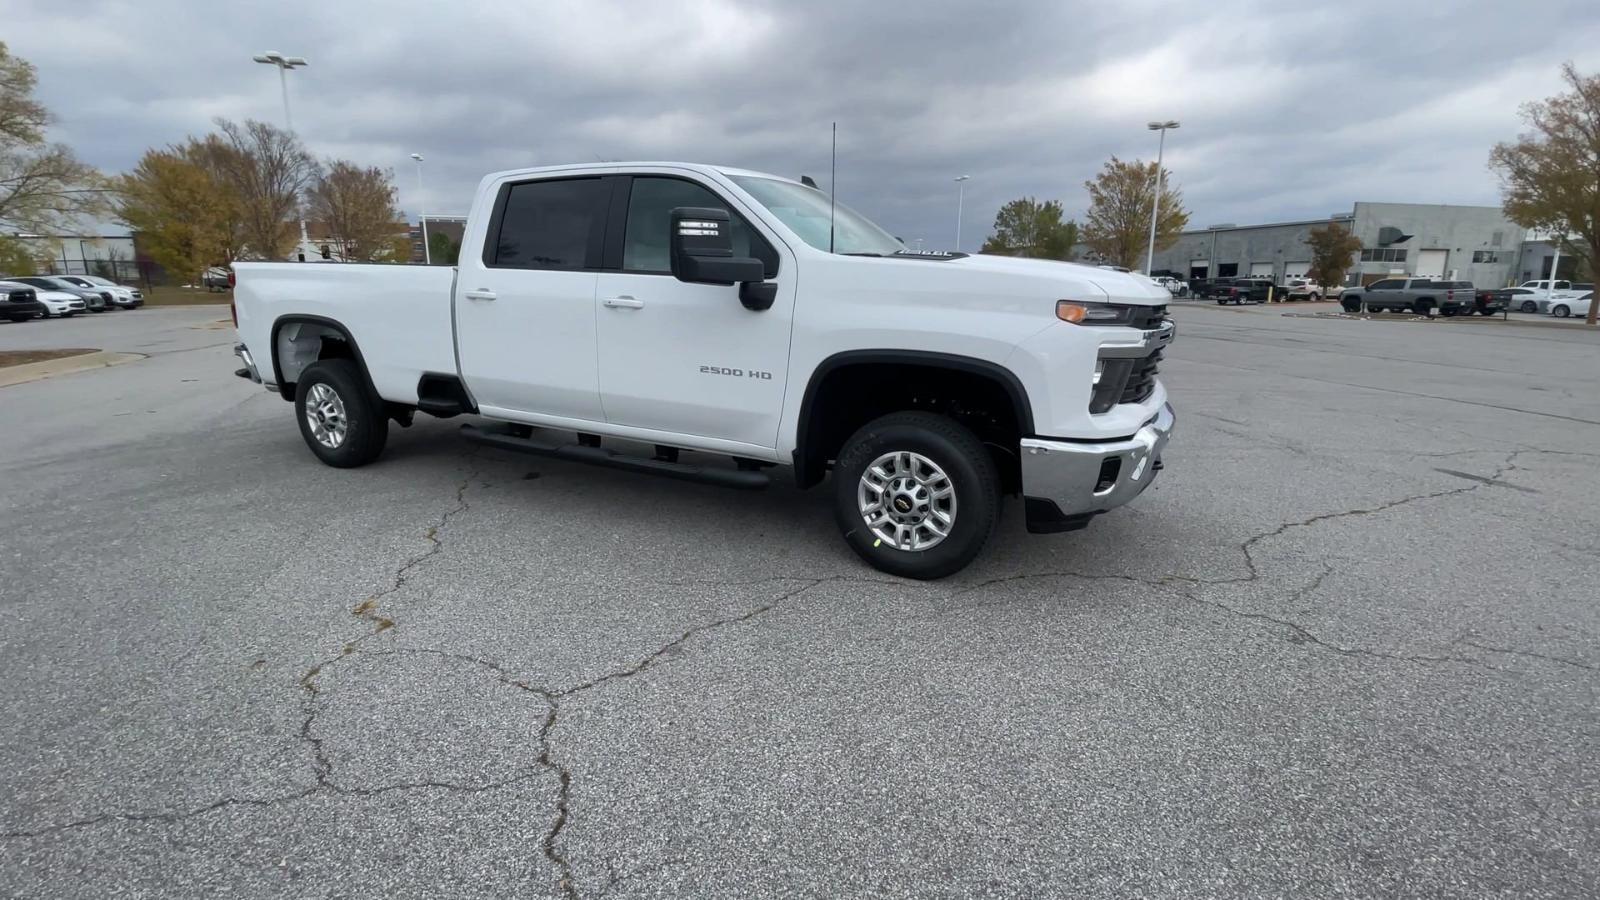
(600, 456)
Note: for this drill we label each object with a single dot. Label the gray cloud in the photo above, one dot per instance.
(1287, 112)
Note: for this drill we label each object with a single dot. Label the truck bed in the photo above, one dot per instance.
(399, 315)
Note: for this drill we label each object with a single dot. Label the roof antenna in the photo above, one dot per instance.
(833, 183)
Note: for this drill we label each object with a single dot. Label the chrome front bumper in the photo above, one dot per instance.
(1066, 483)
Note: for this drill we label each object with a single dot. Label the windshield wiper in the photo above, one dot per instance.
(863, 253)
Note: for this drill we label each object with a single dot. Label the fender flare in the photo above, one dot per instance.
(325, 322)
(809, 472)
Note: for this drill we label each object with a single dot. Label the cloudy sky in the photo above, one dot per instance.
(1289, 109)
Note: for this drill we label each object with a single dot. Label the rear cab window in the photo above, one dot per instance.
(552, 224)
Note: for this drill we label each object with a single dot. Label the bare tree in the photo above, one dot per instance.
(357, 206)
(269, 169)
(43, 186)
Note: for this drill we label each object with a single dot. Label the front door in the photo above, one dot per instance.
(689, 359)
(525, 307)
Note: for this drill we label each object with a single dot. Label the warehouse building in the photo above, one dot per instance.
(1466, 243)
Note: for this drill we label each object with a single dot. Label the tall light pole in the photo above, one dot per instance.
(961, 190)
(1155, 213)
(284, 64)
(422, 215)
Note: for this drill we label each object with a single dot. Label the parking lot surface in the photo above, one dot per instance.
(1346, 646)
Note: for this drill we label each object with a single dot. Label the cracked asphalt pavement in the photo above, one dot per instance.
(1346, 646)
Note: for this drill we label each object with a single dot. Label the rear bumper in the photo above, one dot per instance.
(1066, 483)
(249, 371)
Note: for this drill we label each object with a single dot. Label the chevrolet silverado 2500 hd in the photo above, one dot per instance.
(695, 308)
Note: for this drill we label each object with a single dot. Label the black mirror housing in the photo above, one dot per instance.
(700, 245)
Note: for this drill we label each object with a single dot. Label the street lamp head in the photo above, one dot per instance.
(417, 157)
(1162, 126)
(962, 177)
(274, 58)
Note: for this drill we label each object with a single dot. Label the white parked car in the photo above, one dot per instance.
(1562, 307)
(1540, 296)
(59, 304)
(726, 313)
(1300, 287)
(123, 296)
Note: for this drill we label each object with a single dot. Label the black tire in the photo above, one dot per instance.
(1221, 301)
(1560, 311)
(966, 463)
(1351, 307)
(367, 428)
(1528, 306)
(1423, 308)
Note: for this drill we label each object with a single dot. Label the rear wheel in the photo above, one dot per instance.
(341, 422)
(1423, 308)
(1560, 311)
(1529, 306)
(916, 494)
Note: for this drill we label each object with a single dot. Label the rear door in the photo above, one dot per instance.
(689, 359)
(524, 306)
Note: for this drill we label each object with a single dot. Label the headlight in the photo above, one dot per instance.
(1080, 312)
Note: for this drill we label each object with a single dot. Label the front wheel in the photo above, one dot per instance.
(1560, 311)
(342, 423)
(916, 494)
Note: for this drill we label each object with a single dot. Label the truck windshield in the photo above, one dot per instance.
(805, 211)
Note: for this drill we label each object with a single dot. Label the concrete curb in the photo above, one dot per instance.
(99, 359)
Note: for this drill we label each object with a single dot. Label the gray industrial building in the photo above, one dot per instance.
(1466, 243)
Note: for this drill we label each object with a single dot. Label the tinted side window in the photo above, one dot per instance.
(1388, 285)
(644, 246)
(552, 225)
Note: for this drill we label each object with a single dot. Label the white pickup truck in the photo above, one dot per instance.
(647, 309)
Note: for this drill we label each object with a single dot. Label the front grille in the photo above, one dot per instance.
(1141, 379)
(23, 296)
(1148, 317)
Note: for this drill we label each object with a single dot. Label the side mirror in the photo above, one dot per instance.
(700, 245)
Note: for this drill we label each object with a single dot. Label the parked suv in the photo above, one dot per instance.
(1423, 296)
(19, 302)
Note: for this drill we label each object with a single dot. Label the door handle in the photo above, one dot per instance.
(623, 302)
(481, 294)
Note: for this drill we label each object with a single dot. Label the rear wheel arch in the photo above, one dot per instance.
(854, 387)
(311, 339)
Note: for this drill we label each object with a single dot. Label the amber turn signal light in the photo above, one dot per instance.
(1067, 311)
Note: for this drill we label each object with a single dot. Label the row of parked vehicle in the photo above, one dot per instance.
(1426, 296)
(24, 297)
(1249, 289)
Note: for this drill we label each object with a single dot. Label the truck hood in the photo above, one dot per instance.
(1121, 287)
